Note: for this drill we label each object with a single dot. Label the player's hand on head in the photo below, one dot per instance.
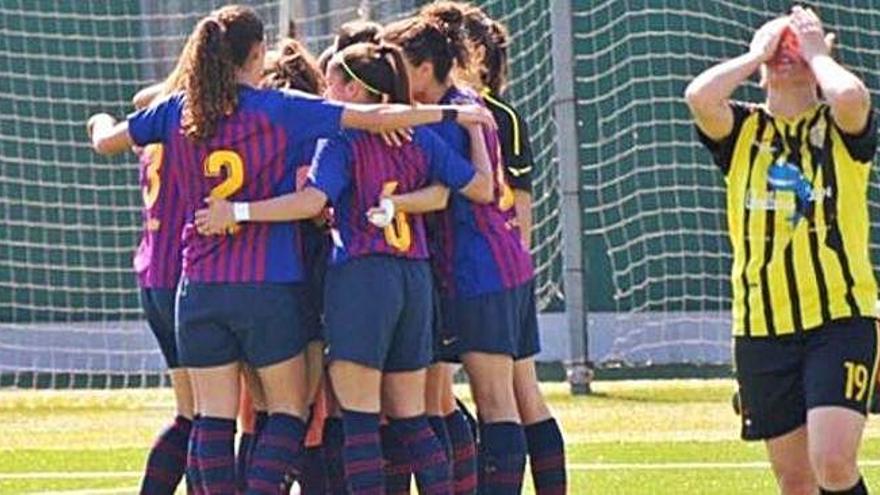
(807, 26)
(475, 114)
(766, 39)
(216, 219)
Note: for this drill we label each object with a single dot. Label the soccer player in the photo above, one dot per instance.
(485, 273)
(804, 294)
(488, 73)
(349, 33)
(240, 295)
(379, 288)
(157, 263)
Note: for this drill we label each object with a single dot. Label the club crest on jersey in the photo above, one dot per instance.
(817, 134)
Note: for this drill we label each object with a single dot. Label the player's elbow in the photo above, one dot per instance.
(313, 203)
(696, 97)
(103, 145)
(483, 190)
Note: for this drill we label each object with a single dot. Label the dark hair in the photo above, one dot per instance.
(439, 40)
(380, 68)
(482, 31)
(295, 68)
(357, 31)
(217, 47)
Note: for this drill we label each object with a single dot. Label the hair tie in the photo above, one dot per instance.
(354, 76)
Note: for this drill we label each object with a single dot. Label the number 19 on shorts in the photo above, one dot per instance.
(857, 380)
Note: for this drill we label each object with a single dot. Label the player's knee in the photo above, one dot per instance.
(531, 404)
(796, 483)
(496, 404)
(835, 468)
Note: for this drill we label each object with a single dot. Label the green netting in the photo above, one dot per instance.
(653, 203)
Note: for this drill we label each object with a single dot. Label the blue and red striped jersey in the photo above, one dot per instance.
(252, 156)
(157, 261)
(355, 168)
(476, 249)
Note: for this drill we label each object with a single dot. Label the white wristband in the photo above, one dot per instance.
(241, 212)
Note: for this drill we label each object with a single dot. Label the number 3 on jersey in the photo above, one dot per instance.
(150, 190)
(398, 234)
(232, 164)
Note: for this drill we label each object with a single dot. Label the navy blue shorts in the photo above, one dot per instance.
(315, 251)
(158, 307)
(258, 323)
(781, 378)
(503, 322)
(378, 311)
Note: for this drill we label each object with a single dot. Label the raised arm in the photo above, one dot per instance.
(845, 93)
(107, 136)
(708, 94)
(384, 118)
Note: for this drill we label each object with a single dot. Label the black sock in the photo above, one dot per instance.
(858, 489)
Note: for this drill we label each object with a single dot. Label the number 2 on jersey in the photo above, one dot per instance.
(231, 163)
(398, 234)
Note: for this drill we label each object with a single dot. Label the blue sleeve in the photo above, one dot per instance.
(307, 117)
(445, 165)
(152, 124)
(330, 172)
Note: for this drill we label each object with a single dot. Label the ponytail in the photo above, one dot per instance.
(380, 69)
(217, 48)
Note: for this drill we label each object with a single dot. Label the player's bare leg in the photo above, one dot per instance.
(208, 381)
(834, 435)
(491, 379)
(314, 368)
(790, 462)
(529, 399)
(284, 384)
(184, 398)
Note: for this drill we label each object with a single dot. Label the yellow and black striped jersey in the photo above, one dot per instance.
(515, 141)
(797, 211)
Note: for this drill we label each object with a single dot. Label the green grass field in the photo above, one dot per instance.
(638, 437)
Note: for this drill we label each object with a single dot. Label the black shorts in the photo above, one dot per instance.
(782, 378)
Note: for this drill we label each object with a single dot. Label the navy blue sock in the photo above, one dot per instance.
(312, 481)
(191, 471)
(502, 458)
(427, 455)
(364, 473)
(547, 457)
(334, 442)
(464, 453)
(215, 455)
(167, 459)
(277, 458)
(398, 470)
(242, 459)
